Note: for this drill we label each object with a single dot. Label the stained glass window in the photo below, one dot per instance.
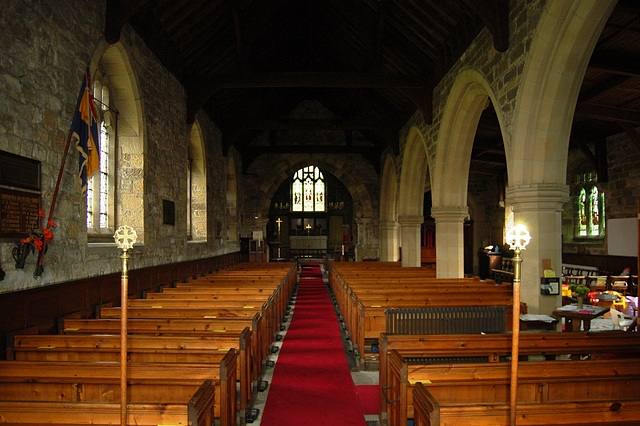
(590, 209)
(582, 213)
(307, 190)
(595, 211)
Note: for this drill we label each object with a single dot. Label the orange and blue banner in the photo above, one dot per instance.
(84, 128)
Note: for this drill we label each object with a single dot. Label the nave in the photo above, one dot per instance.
(188, 363)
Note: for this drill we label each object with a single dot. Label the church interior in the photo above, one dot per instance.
(420, 194)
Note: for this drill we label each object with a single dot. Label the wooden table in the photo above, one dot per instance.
(573, 317)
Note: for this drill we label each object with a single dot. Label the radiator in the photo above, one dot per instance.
(447, 320)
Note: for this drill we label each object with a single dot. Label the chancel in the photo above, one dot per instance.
(317, 189)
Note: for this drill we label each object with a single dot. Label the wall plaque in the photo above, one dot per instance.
(19, 172)
(18, 213)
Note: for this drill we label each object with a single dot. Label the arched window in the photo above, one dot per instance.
(591, 223)
(100, 187)
(308, 190)
(197, 187)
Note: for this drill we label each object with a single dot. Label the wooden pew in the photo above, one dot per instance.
(214, 327)
(430, 412)
(141, 348)
(494, 347)
(363, 297)
(69, 381)
(538, 381)
(198, 410)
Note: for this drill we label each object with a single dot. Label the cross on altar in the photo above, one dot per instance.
(279, 221)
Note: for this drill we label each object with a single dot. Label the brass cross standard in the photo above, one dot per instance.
(279, 221)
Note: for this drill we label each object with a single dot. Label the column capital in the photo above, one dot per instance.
(388, 224)
(537, 197)
(410, 220)
(450, 213)
(363, 219)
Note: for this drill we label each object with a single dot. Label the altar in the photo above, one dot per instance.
(308, 242)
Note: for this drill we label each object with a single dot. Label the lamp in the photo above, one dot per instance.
(517, 237)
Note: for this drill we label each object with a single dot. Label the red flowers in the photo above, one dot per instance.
(40, 236)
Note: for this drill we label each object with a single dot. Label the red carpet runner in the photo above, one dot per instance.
(311, 383)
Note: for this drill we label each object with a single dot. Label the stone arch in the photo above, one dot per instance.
(115, 63)
(358, 190)
(565, 38)
(389, 240)
(415, 166)
(197, 196)
(362, 182)
(232, 197)
(389, 190)
(537, 156)
(466, 101)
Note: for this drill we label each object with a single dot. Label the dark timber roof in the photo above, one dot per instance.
(371, 63)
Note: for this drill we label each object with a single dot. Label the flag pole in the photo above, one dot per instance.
(125, 238)
(39, 267)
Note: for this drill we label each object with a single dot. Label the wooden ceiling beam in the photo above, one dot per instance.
(615, 63)
(608, 113)
(316, 124)
(250, 153)
(632, 132)
(612, 83)
(495, 16)
(312, 80)
(118, 13)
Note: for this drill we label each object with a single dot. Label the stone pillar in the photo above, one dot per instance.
(389, 241)
(410, 226)
(539, 207)
(450, 240)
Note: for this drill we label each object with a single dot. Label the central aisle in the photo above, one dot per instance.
(311, 383)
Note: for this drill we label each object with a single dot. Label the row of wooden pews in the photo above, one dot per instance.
(190, 347)
(563, 378)
(465, 379)
(365, 293)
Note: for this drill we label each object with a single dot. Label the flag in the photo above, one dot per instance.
(84, 128)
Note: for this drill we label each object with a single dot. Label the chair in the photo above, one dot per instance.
(620, 320)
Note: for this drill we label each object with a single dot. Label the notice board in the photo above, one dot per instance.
(622, 236)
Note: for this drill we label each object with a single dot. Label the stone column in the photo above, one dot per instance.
(450, 240)
(410, 226)
(389, 241)
(540, 208)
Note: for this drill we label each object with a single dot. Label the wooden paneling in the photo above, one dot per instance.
(41, 307)
(611, 264)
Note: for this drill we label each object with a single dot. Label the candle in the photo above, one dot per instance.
(343, 249)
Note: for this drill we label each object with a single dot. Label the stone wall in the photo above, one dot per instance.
(621, 191)
(503, 71)
(41, 68)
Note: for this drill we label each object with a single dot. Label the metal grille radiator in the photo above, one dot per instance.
(447, 320)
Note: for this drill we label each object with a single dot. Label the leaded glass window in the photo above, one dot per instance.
(308, 190)
(582, 213)
(99, 186)
(590, 209)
